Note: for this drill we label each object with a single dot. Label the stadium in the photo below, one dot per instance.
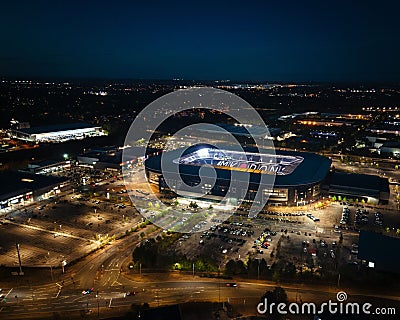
(297, 175)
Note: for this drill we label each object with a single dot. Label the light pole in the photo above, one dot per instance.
(63, 264)
(19, 259)
(98, 306)
(51, 267)
(219, 285)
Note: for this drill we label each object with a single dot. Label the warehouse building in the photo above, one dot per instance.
(18, 187)
(358, 187)
(379, 251)
(57, 133)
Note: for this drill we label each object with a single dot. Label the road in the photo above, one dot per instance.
(42, 302)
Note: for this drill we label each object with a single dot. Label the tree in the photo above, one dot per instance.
(252, 266)
(193, 205)
(240, 267)
(263, 268)
(290, 269)
(278, 295)
(230, 268)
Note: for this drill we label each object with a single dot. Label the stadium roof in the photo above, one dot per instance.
(14, 183)
(57, 128)
(312, 169)
(380, 249)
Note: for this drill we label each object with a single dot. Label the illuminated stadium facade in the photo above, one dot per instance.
(298, 175)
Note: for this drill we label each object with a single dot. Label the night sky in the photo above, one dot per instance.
(240, 40)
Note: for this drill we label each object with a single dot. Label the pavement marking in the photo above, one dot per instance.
(8, 293)
(76, 299)
(117, 283)
(49, 231)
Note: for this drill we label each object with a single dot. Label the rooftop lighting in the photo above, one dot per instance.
(202, 153)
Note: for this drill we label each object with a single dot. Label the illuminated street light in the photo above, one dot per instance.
(63, 264)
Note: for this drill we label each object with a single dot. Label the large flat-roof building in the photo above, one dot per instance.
(379, 251)
(372, 189)
(391, 148)
(110, 158)
(57, 133)
(19, 187)
(242, 130)
(49, 166)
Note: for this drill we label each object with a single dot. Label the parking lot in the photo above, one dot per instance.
(307, 239)
(66, 226)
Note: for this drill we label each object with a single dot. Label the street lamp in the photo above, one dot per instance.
(98, 306)
(19, 260)
(51, 267)
(219, 285)
(63, 264)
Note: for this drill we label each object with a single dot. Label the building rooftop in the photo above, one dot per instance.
(391, 144)
(380, 249)
(44, 163)
(57, 128)
(384, 128)
(358, 181)
(243, 130)
(14, 183)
